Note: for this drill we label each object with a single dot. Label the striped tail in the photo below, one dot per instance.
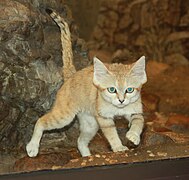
(67, 54)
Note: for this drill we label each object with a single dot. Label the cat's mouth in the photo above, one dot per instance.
(120, 105)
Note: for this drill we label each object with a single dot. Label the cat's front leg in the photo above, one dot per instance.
(136, 123)
(109, 130)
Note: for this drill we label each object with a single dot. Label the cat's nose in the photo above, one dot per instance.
(121, 101)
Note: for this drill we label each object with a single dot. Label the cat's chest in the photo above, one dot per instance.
(110, 111)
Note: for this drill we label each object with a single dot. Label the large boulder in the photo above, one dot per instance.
(30, 65)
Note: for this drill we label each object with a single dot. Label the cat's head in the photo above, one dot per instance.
(119, 84)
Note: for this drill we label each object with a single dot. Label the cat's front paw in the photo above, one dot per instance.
(133, 137)
(120, 148)
(32, 149)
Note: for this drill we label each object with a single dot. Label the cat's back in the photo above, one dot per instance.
(81, 83)
(83, 77)
(81, 89)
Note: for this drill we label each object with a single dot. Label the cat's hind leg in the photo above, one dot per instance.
(88, 129)
(55, 119)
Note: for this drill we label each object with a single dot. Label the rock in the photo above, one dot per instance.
(98, 34)
(112, 5)
(177, 137)
(85, 15)
(125, 21)
(152, 138)
(30, 66)
(113, 16)
(155, 68)
(162, 130)
(41, 162)
(123, 56)
(185, 19)
(152, 132)
(150, 102)
(102, 21)
(178, 122)
(7, 162)
(121, 39)
(147, 18)
(176, 59)
(141, 41)
(103, 55)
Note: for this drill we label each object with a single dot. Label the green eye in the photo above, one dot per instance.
(129, 90)
(112, 90)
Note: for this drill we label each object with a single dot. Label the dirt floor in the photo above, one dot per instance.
(166, 133)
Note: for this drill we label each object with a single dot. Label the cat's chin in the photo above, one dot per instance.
(120, 105)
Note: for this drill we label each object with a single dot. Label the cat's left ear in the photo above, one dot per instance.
(139, 70)
(100, 72)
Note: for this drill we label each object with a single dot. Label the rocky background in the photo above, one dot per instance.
(30, 65)
(155, 28)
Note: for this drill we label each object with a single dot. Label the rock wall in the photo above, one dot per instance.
(30, 65)
(85, 13)
(156, 28)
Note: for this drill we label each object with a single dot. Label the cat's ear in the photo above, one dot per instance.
(139, 70)
(100, 71)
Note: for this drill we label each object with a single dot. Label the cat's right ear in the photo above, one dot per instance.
(100, 71)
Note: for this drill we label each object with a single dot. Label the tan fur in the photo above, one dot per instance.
(67, 54)
(85, 94)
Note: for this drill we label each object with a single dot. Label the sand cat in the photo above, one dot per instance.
(95, 95)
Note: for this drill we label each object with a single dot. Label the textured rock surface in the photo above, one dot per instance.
(30, 65)
(155, 28)
(85, 13)
(163, 129)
